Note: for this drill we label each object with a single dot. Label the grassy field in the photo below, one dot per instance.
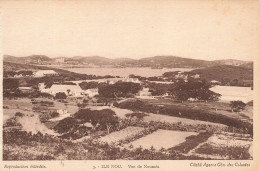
(121, 135)
(180, 138)
(161, 139)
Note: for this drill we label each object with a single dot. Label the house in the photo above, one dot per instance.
(42, 73)
(144, 94)
(92, 92)
(215, 82)
(196, 76)
(69, 90)
(60, 60)
(62, 111)
(25, 89)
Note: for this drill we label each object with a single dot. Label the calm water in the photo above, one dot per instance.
(124, 72)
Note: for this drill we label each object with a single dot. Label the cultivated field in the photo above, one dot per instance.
(126, 133)
(161, 139)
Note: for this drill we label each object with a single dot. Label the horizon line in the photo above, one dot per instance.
(123, 57)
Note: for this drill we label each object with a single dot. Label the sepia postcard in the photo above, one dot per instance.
(130, 85)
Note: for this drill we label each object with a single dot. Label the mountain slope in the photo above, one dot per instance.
(156, 61)
(28, 59)
(224, 72)
(173, 61)
(234, 62)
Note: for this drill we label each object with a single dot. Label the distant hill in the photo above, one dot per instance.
(234, 62)
(248, 65)
(34, 59)
(8, 66)
(156, 61)
(224, 72)
(173, 62)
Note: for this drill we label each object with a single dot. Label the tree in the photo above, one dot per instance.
(68, 91)
(198, 90)
(119, 89)
(106, 118)
(158, 89)
(237, 106)
(60, 95)
(10, 83)
(66, 125)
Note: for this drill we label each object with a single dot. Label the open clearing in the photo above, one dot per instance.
(162, 138)
(119, 112)
(122, 134)
(172, 119)
(220, 146)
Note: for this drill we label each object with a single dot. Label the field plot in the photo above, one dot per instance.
(172, 119)
(18, 105)
(221, 146)
(162, 138)
(122, 134)
(119, 112)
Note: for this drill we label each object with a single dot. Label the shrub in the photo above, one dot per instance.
(136, 115)
(233, 152)
(237, 105)
(55, 114)
(65, 125)
(60, 95)
(19, 114)
(196, 114)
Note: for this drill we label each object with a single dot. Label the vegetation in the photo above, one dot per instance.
(232, 152)
(90, 85)
(186, 112)
(60, 95)
(105, 119)
(227, 74)
(158, 89)
(119, 89)
(192, 142)
(20, 145)
(237, 106)
(198, 90)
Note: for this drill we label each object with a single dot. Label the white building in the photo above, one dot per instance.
(69, 90)
(92, 92)
(145, 94)
(42, 73)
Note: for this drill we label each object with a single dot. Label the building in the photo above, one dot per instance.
(196, 76)
(25, 89)
(144, 94)
(60, 60)
(42, 73)
(62, 111)
(92, 92)
(215, 82)
(69, 90)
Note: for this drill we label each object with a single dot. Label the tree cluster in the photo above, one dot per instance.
(197, 90)
(119, 89)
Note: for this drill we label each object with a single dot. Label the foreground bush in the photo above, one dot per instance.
(185, 112)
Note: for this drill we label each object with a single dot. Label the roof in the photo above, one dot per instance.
(46, 71)
(25, 88)
(57, 87)
(215, 81)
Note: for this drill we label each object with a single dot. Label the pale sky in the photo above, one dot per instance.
(206, 30)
